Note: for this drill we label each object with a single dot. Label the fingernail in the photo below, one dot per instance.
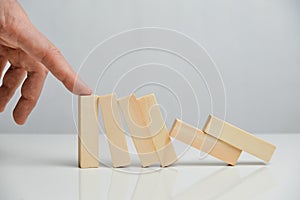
(81, 88)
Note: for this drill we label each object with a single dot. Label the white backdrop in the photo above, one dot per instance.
(256, 45)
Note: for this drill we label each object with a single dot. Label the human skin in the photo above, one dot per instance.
(31, 55)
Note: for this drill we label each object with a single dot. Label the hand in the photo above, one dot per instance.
(31, 55)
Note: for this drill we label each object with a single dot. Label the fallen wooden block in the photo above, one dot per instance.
(139, 131)
(157, 127)
(239, 138)
(88, 132)
(197, 138)
(114, 130)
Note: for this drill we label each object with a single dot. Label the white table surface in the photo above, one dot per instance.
(36, 167)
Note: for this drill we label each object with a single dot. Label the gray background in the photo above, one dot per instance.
(255, 44)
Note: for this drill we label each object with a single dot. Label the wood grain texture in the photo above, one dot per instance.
(139, 131)
(155, 122)
(88, 132)
(114, 130)
(199, 140)
(239, 138)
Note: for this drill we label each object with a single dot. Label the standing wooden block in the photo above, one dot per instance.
(139, 131)
(114, 130)
(239, 138)
(196, 138)
(88, 132)
(155, 122)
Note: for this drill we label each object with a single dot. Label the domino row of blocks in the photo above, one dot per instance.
(151, 137)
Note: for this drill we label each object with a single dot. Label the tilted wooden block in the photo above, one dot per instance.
(155, 122)
(114, 130)
(199, 140)
(88, 132)
(239, 138)
(139, 131)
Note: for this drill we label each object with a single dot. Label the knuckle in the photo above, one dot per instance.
(55, 50)
(28, 96)
(42, 71)
(51, 52)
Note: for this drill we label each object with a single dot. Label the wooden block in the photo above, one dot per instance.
(140, 133)
(114, 130)
(239, 138)
(155, 122)
(196, 138)
(88, 132)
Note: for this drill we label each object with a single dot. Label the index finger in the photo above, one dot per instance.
(39, 47)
